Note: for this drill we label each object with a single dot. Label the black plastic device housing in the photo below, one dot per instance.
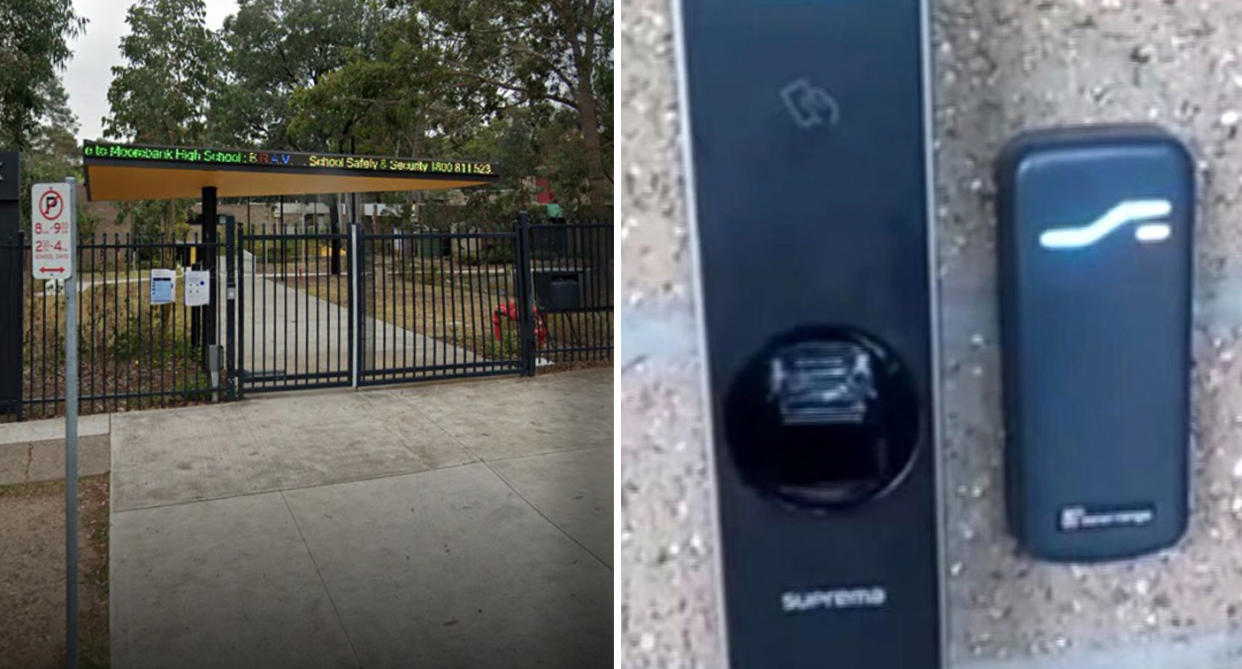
(808, 167)
(1095, 253)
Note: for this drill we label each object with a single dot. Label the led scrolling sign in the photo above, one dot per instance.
(285, 159)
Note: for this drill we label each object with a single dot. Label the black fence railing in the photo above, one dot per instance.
(293, 307)
(132, 354)
(571, 268)
(306, 308)
(439, 304)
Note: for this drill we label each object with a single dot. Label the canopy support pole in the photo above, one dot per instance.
(211, 333)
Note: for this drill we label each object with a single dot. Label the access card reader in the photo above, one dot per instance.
(807, 161)
(1095, 238)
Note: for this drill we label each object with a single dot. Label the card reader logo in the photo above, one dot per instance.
(1147, 212)
(810, 105)
(836, 598)
(1077, 518)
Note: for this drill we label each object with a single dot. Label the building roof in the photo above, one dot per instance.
(134, 172)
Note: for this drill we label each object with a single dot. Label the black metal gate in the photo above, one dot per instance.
(293, 307)
(132, 354)
(438, 304)
(306, 307)
(315, 308)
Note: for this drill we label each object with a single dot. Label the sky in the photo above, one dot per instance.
(95, 53)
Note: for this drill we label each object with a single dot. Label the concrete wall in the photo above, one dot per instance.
(1001, 66)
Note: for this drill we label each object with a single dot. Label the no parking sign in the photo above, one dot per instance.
(51, 222)
(53, 250)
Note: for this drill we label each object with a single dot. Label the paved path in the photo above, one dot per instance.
(459, 524)
(34, 451)
(287, 330)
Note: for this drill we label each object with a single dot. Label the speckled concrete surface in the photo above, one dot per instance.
(1001, 66)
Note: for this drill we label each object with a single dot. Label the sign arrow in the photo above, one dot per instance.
(51, 269)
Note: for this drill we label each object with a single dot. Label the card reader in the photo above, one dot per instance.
(1095, 232)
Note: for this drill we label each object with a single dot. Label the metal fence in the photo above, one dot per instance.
(437, 304)
(132, 354)
(307, 309)
(571, 276)
(293, 311)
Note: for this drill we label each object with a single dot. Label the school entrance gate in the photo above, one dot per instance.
(334, 298)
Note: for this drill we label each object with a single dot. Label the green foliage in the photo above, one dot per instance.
(154, 221)
(172, 64)
(151, 336)
(524, 53)
(492, 254)
(37, 119)
(195, 387)
(509, 345)
(160, 95)
(524, 83)
(428, 274)
(565, 163)
(341, 105)
(34, 46)
(52, 156)
(276, 48)
(270, 250)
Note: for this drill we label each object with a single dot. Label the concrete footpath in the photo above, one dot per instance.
(35, 451)
(463, 524)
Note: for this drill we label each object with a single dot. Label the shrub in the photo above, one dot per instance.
(508, 346)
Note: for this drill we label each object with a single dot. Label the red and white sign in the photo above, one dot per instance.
(51, 220)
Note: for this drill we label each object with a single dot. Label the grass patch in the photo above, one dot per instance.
(125, 346)
(453, 303)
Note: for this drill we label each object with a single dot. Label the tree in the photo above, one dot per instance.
(525, 82)
(276, 48)
(53, 153)
(172, 64)
(500, 55)
(365, 107)
(513, 142)
(160, 95)
(33, 47)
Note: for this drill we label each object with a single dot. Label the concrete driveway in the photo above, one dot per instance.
(459, 524)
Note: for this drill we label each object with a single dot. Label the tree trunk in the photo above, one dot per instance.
(588, 116)
(591, 140)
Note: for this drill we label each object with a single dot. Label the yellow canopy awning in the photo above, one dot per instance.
(132, 172)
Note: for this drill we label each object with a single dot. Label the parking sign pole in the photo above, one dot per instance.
(71, 436)
(54, 257)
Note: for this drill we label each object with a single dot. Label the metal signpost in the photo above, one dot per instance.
(53, 222)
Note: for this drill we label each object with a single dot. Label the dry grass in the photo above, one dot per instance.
(454, 303)
(567, 331)
(125, 346)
